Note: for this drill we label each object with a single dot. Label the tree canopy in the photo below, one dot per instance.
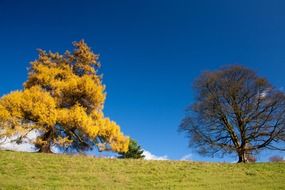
(63, 100)
(235, 111)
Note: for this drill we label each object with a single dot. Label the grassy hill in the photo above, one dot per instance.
(49, 171)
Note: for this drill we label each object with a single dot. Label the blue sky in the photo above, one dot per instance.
(150, 51)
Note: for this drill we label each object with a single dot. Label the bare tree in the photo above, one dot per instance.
(235, 111)
(276, 159)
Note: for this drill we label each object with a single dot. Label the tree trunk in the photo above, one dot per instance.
(45, 148)
(242, 157)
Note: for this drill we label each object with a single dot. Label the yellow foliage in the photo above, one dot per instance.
(22, 111)
(4, 114)
(11, 103)
(111, 131)
(83, 90)
(85, 59)
(66, 91)
(66, 86)
(39, 106)
(33, 104)
(77, 118)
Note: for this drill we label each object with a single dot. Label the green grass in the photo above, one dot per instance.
(49, 171)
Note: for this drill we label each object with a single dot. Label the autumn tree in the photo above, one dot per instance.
(63, 100)
(134, 151)
(235, 111)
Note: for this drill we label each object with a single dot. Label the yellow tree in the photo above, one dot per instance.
(63, 99)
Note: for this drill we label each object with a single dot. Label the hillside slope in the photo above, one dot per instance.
(49, 171)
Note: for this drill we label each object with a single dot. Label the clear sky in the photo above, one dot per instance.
(150, 51)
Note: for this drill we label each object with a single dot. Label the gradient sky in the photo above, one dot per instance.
(150, 51)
